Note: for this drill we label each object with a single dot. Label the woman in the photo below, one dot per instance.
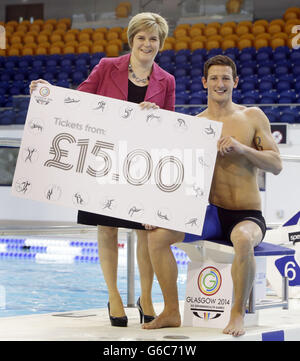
(137, 78)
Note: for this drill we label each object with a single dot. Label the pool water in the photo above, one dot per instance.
(28, 287)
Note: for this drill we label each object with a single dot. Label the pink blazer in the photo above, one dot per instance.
(110, 78)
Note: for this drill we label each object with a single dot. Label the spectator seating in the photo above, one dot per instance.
(269, 70)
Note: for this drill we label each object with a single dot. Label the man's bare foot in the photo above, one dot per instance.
(165, 319)
(235, 326)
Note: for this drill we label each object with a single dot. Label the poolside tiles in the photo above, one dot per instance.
(274, 325)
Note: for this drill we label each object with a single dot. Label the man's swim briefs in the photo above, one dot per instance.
(219, 223)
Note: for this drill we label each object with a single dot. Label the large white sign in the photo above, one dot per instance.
(208, 295)
(110, 157)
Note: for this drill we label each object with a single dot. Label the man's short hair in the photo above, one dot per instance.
(220, 60)
(146, 22)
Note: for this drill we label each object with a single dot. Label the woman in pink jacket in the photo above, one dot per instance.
(137, 78)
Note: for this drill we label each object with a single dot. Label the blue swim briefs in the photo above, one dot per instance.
(219, 223)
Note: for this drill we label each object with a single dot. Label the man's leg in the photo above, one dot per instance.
(244, 236)
(146, 272)
(165, 268)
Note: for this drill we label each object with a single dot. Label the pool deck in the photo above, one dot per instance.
(275, 324)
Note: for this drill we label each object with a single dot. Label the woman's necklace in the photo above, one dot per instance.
(136, 78)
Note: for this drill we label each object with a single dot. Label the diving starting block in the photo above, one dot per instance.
(209, 291)
(287, 235)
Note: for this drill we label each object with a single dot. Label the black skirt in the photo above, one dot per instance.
(93, 219)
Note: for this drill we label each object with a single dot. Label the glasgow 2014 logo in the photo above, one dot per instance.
(44, 91)
(209, 281)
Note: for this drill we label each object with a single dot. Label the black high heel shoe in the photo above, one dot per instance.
(145, 318)
(117, 321)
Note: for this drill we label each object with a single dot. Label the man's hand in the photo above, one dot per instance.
(229, 144)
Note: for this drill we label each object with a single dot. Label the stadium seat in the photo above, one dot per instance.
(233, 50)
(231, 54)
(63, 83)
(112, 50)
(272, 113)
(297, 84)
(182, 56)
(198, 97)
(246, 71)
(20, 102)
(295, 57)
(5, 77)
(180, 109)
(14, 90)
(289, 115)
(286, 77)
(265, 85)
(37, 63)
(281, 70)
(182, 98)
(77, 77)
(264, 70)
(62, 76)
(82, 60)
(268, 97)
(197, 60)
(7, 117)
(287, 96)
(247, 85)
(50, 77)
(263, 56)
(277, 42)
(180, 87)
(20, 117)
(250, 97)
(245, 57)
(202, 52)
(197, 44)
(96, 57)
(214, 52)
(180, 72)
(170, 68)
(165, 59)
(248, 64)
(2, 100)
(196, 86)
(242, 29)
(196, 72)
(280, 57)
(265, 49)
(282, 85)
(236, 96)
(296, 69)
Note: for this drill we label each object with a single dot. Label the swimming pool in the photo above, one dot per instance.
(31, 287)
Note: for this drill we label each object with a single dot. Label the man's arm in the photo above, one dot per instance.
(266, 156)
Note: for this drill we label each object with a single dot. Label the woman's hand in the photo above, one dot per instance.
(148, 105)
(34, 83)
(148, 227)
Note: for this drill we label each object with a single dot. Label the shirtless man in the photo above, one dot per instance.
(246, 144)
